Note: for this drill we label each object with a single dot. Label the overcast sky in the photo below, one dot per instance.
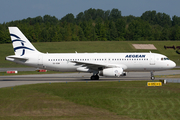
(11, 10)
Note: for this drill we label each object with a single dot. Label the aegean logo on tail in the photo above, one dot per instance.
(22, 43)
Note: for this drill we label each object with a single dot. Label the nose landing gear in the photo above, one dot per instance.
(152, 76)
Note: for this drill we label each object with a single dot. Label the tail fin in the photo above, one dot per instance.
(20, 43)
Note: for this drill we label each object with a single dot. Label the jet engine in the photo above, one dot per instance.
(111, 72)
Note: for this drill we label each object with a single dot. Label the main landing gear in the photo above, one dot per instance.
(95, 77)
(152, 75)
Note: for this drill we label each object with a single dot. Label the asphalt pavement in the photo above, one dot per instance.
(14, 80)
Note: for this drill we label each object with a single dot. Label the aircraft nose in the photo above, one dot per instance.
(173, 64)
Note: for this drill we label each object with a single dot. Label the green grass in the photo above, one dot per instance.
(168, 76)
(125, 100)
(175, 69)
(88, 46)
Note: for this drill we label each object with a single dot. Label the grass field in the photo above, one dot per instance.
(168, 76)
(88, 46)
(125, 100)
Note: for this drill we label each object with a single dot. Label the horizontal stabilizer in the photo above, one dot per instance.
(16, 57)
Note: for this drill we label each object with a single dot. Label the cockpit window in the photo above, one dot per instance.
(164, 58)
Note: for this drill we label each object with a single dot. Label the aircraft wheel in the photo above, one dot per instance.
(152, 78)
(152, 75)
(97, 77)
(94, 77)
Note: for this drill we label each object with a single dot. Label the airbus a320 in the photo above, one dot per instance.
(100, 64)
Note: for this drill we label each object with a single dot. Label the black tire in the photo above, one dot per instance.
(152, 78)
(92, 77)
(97, 77)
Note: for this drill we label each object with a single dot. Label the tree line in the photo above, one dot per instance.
(97, 25)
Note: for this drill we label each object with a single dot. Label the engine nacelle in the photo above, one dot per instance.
(111, 72)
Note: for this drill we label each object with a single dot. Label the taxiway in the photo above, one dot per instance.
(14, 80)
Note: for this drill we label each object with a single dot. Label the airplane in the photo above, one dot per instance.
(100, 64)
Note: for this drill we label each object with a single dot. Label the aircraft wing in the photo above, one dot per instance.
(98, 66)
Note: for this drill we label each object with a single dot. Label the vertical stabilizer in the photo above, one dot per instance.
(21, 44)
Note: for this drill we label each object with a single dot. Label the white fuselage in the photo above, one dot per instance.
(103, 64)
(127, 61)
